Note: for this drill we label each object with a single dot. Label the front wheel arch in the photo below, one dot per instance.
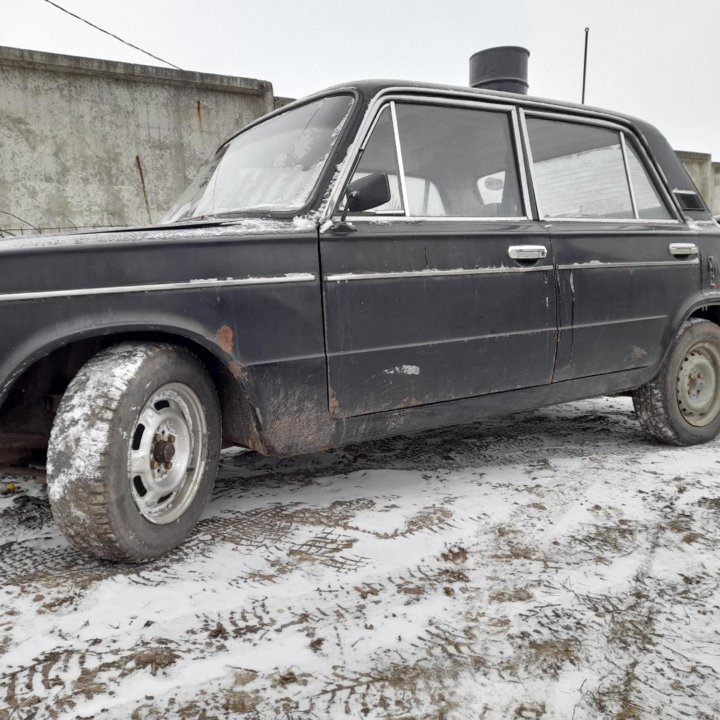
(32, 400)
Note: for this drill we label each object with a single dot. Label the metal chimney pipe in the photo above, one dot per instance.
(500, 68)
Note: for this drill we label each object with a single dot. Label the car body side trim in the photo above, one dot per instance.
(348, 277)
(652, 263)
(160, 287)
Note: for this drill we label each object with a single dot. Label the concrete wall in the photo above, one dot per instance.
(705, 174)
(86, 143)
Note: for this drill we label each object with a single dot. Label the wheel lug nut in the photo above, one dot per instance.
(171, 438)
(154, 464)
(168, 466)
(158, 437)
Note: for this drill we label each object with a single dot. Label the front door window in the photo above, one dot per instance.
(444, 162)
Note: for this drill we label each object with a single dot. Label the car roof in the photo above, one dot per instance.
(372, 87)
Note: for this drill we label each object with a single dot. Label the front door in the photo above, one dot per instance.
(447, 291)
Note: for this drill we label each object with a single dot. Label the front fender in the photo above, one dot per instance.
(37, 340)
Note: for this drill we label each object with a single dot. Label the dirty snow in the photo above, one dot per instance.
(555, 564)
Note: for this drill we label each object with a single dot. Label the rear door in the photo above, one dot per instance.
(625, 262)
(447, 291)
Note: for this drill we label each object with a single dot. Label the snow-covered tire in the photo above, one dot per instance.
(681, 406)
(134, 451)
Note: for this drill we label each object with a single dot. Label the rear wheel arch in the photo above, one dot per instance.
(705, 312)
(696, 309)
(681, 405)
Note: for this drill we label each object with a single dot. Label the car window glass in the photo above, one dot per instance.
(579, 171)
(647, 199)
(446, 151)
(273, 166)
(380, 156)
(422, 195)
(491, 187)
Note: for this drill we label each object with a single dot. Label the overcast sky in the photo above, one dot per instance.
(656, 59)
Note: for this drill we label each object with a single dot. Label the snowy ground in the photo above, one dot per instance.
(551, 565)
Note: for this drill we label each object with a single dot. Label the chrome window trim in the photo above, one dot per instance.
(658, 184)
(450, 102)
(375, 121)
(649, 263)
(159, 287)
(612, 221)
(409, 274)
(398, 94)
(520, 158)
(401, 165)
(495, 98)
(628, 177)
(530, 160)
(557, 115)
(383, 219)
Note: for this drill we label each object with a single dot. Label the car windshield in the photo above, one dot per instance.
(273, 166)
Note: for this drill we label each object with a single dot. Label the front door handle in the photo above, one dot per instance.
(683, 249)
(527, 252)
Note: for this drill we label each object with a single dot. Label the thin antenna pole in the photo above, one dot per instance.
(587, 33)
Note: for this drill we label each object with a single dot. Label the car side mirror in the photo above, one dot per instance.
(367, 192)
(363, 194)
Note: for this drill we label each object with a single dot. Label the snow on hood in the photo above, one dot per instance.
(229, 228)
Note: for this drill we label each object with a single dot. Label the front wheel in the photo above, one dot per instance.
(681, 406)
(133, 451)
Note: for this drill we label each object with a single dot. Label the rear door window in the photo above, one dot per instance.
(578, 170)
(588, 172)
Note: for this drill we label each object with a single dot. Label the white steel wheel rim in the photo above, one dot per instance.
(698, 385)
(167, 453)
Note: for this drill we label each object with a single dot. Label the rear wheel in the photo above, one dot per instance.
(681, 406)
(133, 451)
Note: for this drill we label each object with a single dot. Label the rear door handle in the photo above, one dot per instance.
(683, 249)
(527, 252)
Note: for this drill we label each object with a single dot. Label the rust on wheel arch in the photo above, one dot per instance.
(224, 337)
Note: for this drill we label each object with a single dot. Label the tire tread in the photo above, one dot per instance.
(82, 507)
(651, 400)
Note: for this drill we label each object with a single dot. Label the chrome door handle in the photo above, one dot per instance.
(527, 252)
(683, 249)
